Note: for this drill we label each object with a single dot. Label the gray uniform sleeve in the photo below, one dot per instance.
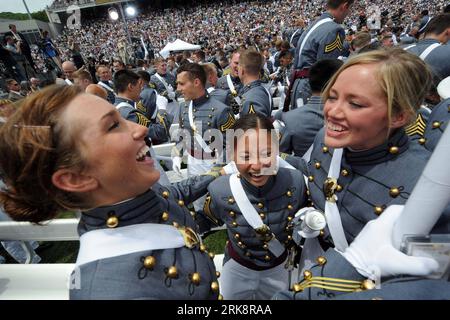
(191, 188)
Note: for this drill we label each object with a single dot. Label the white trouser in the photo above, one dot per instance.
(241, 283)
(196, 167)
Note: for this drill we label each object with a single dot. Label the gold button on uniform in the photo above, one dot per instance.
(215, 286)
(230, 200)
(289, 193)
(324, 149)
(232, 214)
(436, 124)
(307, 274)
(202, 248)
(237, 236)
(378, 210)
(290, 207)
(172, 272)
(368, 285)
(165, 194)
(311, 178)
(267, 258)
(321, 260)
(195, 278)
(338, 188)
(297, 287)
(394, 192)
(422, 141)
(260, 205)
(262, 215)
(149, 262)
(234, 224)
(317, 165)
(393, 150)
(344, 172)
(180, 203)
(112, 222)
(165, 216)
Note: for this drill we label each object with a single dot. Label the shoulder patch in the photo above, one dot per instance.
(418, 127)
(142, 120)
(207, 210)
(229, 123)
(152, 85)
(336, 44)
(251, 109)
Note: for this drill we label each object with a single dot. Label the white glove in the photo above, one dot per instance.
(171, 95)
(176, 165)
(373, 255)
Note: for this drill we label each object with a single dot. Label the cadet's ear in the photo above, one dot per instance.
(72, 181)
(398, 120)
(197, 82)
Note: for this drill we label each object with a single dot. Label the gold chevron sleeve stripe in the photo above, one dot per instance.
(161, 120)
(418, 127)
(336, 44)
(140, 106)
(229, 123)
(252, 109)
(142, 120)
(207, 210)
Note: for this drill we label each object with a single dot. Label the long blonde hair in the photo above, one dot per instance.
(403, 77)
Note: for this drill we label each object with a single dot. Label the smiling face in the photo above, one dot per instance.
(254, 157)
(113, 149)
(356, 111)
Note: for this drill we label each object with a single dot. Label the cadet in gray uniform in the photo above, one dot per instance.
(211, 82)
(163, 81)
(254, 96)
(434, 48)
(201, 116)
(372, 171)
(232, 84)
(160, 120)
(323, 39)
(252, 268)
(136, 242)
(302, 124)
(136, 105)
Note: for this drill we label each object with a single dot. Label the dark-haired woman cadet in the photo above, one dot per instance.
(67, 150)
(256, 205)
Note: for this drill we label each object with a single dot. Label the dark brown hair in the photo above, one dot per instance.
(34, 144)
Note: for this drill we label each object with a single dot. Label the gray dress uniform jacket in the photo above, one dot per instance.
(126, 276)
(276, 202)
(159, 86)
(438, 121)
(212, 114)
(301, 127)
(325, 42)
(255, 99)
(223, 85)
(156, 131)
(369, 180)
(334, 267)
(438, 59)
